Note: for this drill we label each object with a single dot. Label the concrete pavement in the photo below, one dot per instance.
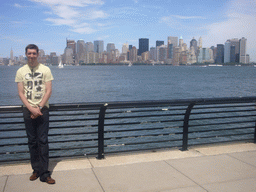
(218, 168)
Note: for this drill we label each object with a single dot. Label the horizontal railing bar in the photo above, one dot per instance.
(138, 136)
(216, 112)
(52, 135)
(154, 115)
(141, 129)
(137, 123)
(141, 111)
(225, 117)
(146, 142)
(207, 137)
(222, 123)
(223, 105)
(217, 130)
(52, 149)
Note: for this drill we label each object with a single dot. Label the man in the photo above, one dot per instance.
(34, 82)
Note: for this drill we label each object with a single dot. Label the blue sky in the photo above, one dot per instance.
(48, 23)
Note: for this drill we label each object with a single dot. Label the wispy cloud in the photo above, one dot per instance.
(19, 6)
(180, 22)
(74, 14)
(239, 22)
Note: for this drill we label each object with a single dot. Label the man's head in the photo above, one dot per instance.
(32, 55)
(31, 46)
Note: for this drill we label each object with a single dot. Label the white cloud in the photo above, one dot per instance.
(76, 3)
(74, 13)
(239, 22)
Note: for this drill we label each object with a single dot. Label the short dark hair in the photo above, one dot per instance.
(31, 46)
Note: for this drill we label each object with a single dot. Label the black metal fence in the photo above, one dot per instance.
(100, 128)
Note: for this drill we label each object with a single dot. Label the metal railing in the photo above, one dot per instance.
(100, 128)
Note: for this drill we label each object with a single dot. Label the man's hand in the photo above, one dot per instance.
(35, 112)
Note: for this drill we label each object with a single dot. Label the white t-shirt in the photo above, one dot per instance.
(34, 82)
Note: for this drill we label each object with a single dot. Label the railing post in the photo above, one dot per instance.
(185, 127)
(101, 132)
(255, 133)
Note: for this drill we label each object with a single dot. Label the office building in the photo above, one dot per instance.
(110, 47)
(153, 53)
(11, 55)
(72, 44)
(200, 43)
(81, 51)
(220, 54)
(98, 46)
(242, 54)
(235, 42)
(232, 54)
(159, 43)
(193, 43)
(89, 47)
(227, 51)
(143, 45)
(133, 57)
(205, 55)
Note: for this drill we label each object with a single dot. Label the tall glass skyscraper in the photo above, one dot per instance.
(242, 57)
(143, 45)
(98, 46)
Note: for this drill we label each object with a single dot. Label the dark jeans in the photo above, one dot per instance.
(37, 133)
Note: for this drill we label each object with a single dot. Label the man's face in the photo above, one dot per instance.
(32, 57)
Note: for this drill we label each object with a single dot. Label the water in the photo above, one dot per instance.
(122, 83)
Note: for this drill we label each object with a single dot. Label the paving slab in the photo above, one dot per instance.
(186, 189)
(112, 160)
(2, 182)
(66, 181)
(212, 169)
(248, 157)
(149, 176)
(228, 148)
(245, 185)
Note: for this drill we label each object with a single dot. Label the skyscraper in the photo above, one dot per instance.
(242, 56)
(110, 47)
(235, 42)
(72, 44)
(80, 51)
(125, 48)
(227, 51)
(159, 43)
(193, 43)
(172, 42)
(232, 54)
(89, 47)
(143, 45)
(220, 53)
(11, 54)
(200, 43)
(98, 46)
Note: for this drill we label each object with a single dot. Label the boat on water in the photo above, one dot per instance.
(60, 65)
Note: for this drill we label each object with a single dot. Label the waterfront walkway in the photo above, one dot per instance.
(230, 167)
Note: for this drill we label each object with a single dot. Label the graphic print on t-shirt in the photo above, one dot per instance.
(34, 85)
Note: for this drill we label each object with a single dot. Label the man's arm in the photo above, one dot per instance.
(48, 93)
(35, 112)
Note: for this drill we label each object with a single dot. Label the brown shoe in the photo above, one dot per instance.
(34, 176)
(50, 180)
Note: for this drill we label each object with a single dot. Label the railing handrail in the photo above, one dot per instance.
(112, 104)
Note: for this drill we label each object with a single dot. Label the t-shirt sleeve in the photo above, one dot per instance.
(48, 75)
(18, 77)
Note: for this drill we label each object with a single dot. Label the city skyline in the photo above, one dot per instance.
(49, 23)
